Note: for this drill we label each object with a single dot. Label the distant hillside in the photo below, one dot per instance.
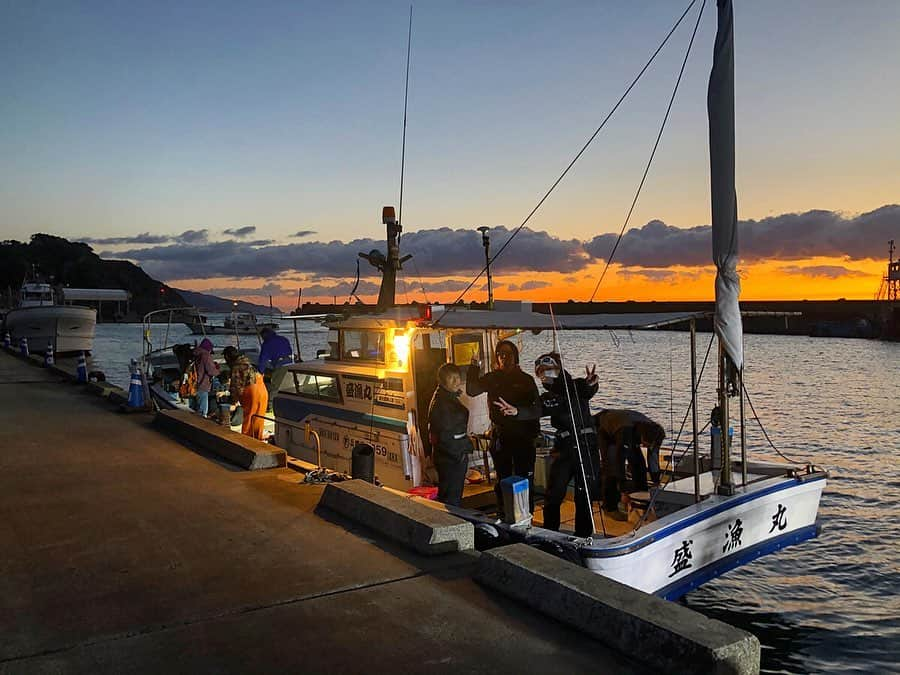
(212, 303)
(75, 264)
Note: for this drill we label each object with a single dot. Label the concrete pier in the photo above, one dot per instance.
(125, 551)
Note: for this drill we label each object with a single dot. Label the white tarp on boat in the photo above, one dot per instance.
(720, 107)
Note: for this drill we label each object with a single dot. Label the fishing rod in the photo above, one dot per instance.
(577, 426)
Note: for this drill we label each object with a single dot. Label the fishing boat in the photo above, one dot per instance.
(234, 324)
(41, 320)
(164, 358)
(713, 511)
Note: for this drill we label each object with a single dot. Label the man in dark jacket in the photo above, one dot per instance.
(621, 433)
(448, 420)
(567, 402)
(515, 409)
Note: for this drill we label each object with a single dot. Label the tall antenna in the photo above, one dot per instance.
(405, 101)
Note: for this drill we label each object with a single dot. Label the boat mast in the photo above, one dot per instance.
(720, 109)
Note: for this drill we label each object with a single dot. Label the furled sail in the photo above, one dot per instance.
(720, 108)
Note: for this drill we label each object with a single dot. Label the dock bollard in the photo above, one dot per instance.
(23, 346)
(81, 368)
(136, 387)
(48, 355)
(7, 340)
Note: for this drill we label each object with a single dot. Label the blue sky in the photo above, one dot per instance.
(128, 117)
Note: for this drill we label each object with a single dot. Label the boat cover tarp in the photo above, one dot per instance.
(720, 108)
(535, 321)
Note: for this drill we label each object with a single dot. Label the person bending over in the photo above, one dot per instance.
(621, 433)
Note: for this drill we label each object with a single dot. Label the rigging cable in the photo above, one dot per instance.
(762, 428)
(405, 100)
(578, 155)
(652, 154)
(670, 461)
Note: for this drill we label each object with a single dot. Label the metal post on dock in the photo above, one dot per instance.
(694, 410)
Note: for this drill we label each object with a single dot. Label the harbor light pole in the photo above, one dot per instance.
(486, 242)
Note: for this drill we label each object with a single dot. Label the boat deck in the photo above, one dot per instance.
(481, 496)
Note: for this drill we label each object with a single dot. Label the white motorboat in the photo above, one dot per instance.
(39, 319)
(234, 324)
(374, 384)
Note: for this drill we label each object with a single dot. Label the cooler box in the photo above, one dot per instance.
(515, 500)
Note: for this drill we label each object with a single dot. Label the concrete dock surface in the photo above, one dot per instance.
(125, 551)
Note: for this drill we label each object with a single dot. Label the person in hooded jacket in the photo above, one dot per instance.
(515, 410)
(571, 417)
(207, 369)
(448, 422)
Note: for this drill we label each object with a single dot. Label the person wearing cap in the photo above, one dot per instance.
(515, 410)
(207, 369)
(448, 421)
(275, 355)
(567, 402)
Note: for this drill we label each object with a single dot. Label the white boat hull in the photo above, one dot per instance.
(685, 549)
(69, 328)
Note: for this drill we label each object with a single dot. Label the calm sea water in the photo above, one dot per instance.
(828, 605)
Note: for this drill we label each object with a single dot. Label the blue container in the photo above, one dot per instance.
(23, 346)
(136, 390)
(514, 490)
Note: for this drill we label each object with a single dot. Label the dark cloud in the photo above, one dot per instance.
(241, 231)
(528, 285)
(303, 233)
(242, 292)
(650, 275)
(790, 236)
(143, 238)
(437, 253)
(193, 236)
(823, 271)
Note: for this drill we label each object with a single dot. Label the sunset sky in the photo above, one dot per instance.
(246, 149)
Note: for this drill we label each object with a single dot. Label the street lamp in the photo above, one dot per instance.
(486, 242)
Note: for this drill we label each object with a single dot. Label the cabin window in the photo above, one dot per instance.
(465, 347)
(317, 386)
(362, 345)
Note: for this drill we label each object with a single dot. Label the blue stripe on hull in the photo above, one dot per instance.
(675, 590)
(298, 410)
(600, 551)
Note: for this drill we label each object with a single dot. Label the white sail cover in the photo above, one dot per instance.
(720, 108)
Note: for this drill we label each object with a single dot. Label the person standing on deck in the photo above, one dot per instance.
(248, 388)
(567, 402)
(515, 410)
(448, 420)
(275, 355)
(207, 369)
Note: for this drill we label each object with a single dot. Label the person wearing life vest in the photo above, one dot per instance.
(448, 421)
(206, 370)
(515, 410)
(567, 401)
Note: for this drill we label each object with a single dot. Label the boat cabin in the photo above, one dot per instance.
(376, 380)
(34, 294)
